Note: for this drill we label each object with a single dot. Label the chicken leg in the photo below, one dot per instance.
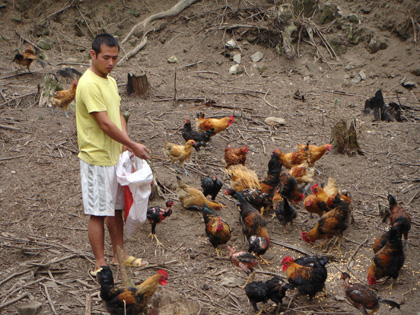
(158, 243)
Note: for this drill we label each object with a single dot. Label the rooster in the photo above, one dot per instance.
(290, 187)
(193, 199)
(235, 156)
(307, 274)
(332, 223)
(398, 215)
(362, 297)
(388, 261)
(179, 153)
(314, 152)
(204, 124)
(292, 158)
(261, 291)
(63, 98)
(156, 215)
(303, 173)
(217, 230)
(253, 224)
(128, 301)
(201, 138)
(27, 58)
(211, 186)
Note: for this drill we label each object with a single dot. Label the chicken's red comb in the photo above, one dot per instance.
(328, 147)
(233, 118)
(304, 237)
(313, 187)
(287, 259)
(75, 82)
(245, 148)
(163, 273)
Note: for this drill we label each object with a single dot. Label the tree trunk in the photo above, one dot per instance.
(138, 85)
(343, 139)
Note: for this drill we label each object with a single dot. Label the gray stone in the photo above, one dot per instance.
(377, 44)
(237, 58)
(416, 72)
(353, 18)
(236, 69)
(31, 308)
(257, 56)
(173, 59)
(231, 44)
(274, 121)
(362, 75)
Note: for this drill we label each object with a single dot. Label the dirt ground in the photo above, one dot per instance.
(45, 251)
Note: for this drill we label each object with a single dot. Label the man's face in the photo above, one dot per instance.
(105, 60)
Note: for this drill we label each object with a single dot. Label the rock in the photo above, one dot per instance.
(353, 18)
(236, 69)
(356, 80)
(310, 65)
(377, 44)
(274, 121)
(237, 58)
(231, 44)
(362, 75)
(31, 308)
(257, 56)
(416, 72)
(251, 38)
(231, 281)
(172, 59)
(307, 6)
(171, 302)
(44, 44)
(408, 84)
(329, 13)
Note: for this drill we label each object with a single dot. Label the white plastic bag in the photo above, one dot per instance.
(137, 175)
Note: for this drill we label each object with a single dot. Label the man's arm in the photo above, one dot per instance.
(122, 137)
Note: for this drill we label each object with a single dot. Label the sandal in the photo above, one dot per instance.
(135, 262)
(93, 273)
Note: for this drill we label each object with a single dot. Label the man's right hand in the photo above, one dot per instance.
(140, 150)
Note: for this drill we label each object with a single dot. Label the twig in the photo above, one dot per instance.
(88, 309)
(291, 247)
(87, 24)
(20, 297)
(267, 101)
(58, 12)
(357, 249)
(68, 197)
(239, 88)
(271, 274)
(9, 128)
(28, 41)
(49, 298)
(12, 158)
(17, 98)
(13, 275)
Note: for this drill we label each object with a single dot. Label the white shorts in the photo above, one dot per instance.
(101, 193)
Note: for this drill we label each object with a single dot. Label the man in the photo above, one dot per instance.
(102, 136)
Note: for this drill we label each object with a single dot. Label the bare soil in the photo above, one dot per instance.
(45, 252)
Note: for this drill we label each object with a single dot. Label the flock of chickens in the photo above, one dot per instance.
(288, 175)
(254, 197)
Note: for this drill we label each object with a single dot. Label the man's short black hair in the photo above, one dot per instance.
(106, 39)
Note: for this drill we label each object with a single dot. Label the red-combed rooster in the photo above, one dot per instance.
(27, 57)
(253, 225)
(332, 223)
(204, 124)
(307, 274)
(235, 156)
(128, 301)
(388, 261)
(63, 98)
(362, 297)
(217, 230)
(292, 158)
(156, 215)
(314, 152)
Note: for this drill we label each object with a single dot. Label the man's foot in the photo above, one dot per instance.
(93, 273)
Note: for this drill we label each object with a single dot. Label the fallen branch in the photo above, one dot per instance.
(20, 297)
(12, 158)
(176, 9)
(17, 98)
(29, 42)
(8, 128)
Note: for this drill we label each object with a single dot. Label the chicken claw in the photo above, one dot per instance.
(158, 243)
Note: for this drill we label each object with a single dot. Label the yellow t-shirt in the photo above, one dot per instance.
(96, 94)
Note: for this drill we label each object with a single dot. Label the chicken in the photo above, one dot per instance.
(217, 230)
(311, 205)
(292, 158)
(244, 260)
(178, 153)
(307, 274)
(242, 178)
(388, 261)
(253, 224)
(261, 291)
(128, 301)
(398, 215)
(193, 199)
(362, 297)
(332, 223)
(27, 58)
(256, 198)
(314, 152)
(63, 98)
(284, 212)
(290, 187)
(204, 124)
(323, 198)
(381, 241)
(303, 173)
(211, 186)
(235, 156)
(156, 215)
(201, 138)
(272, 180)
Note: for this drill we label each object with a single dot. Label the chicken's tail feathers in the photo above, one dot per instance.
(200, 115)
(390, 303)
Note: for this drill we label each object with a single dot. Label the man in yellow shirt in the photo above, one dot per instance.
(102, 136)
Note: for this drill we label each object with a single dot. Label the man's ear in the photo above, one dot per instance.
(92, 54)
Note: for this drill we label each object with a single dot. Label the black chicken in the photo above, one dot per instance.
(261, 291)
(201, 138)
(284, 211)
(156, 215)
(211, 186)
